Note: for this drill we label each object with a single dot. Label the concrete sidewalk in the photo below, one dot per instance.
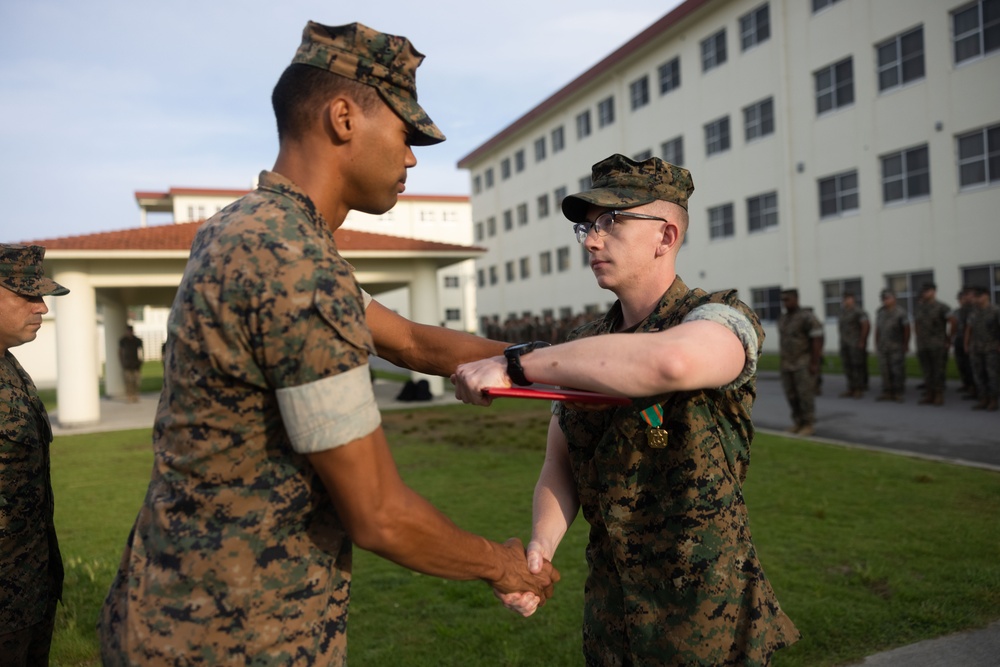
(916, 430)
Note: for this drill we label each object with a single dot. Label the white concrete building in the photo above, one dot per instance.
(835, 145)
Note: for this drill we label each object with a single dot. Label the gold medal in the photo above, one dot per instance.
(656, 437)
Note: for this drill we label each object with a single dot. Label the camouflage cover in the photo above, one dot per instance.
(31, 571)
(21, 271)
(388, 63)
(237, 555)
(618, 182)
(674, 578)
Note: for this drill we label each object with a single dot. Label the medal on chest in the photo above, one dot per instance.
(656, 437)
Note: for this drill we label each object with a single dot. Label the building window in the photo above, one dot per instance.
(562, 258)
(762, 211)
(833, 294)
(642, 156)
(900, 59)
(519, 161)
(481, 278)
(491, 226)
(670, 75)
(488, 177)
(584, 256)
(758, 119)
(583, 124)
(606, 111)
(907, 286)
(987, 275)
(508, 220)
(586, 182)
(834, 86)
(559, 195)
(428, 215)
(493, 275)
(979, 156)
(673, 151)
(558, 139)
(477, 184)
(543, 206)
(452, 314)
(713, 51)
(755, 27)
(524, 266)
(823, 4)
(717, 136)
(545, 262)
(522, 214)
(838, 194)
(976, 30)
(480, 231)
(720, 221)
(638, 92)
(766, 302)
(451, 282)
(539, 149)
(505, 168)
(509, 270)
(906, 175)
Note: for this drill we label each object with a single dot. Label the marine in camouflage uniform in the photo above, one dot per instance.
(892, 339)
(983, 343)
(31, 570)
(960, 317)
(673, 578)
(853, 327)
(930, 324)
(800, 339)
(241, 551)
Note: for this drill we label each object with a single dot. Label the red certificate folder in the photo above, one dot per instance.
(556, 394)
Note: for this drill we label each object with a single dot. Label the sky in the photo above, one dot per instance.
(102, 98)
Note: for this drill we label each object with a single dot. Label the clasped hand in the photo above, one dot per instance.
(524, 601)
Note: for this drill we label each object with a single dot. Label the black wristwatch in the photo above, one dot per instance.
(513, 354)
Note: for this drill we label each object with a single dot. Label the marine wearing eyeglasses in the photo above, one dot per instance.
(674, 577)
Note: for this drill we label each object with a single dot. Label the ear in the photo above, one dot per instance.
(341, 116)
(671, 238)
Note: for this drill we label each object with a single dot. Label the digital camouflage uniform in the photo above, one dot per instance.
(930, 325)
(962, 359)
(673, 574)
(31, 570)
(853, 356)
(237, 556)
(796, 332)
(890, 325)
(984, 351)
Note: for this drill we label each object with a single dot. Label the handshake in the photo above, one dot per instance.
(528, 578)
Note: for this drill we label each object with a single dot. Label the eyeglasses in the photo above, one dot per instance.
(605, 222)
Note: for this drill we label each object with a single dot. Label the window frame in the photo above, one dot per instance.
(987, 157)
(755, 27)
(638, 92)
(718, 137)
(713, 51)
(765, 216)
(725, 227)
(841, 194)
(669, 75)
(761, 124)
(898, 64)
(906, 175)
(836, 89)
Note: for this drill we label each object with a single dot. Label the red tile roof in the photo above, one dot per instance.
(180, 236)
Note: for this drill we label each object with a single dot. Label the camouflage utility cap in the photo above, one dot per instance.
(21, 271)
(385, 62)
(618, 182)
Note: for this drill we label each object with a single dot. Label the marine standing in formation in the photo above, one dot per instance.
(800, 339)
(31, 570)
(931, 326)
(892, 340)
(854, 327)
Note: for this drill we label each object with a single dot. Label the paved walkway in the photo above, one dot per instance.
(952, 433)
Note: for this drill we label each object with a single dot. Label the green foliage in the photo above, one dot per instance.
(865, 550)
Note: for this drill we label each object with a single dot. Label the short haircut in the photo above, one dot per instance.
(301, 92)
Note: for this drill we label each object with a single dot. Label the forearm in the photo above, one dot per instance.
(556, 502)
(693, 355)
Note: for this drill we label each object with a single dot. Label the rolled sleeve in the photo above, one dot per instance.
(739, 324)
(330, 412)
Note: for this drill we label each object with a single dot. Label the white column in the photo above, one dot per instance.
(424, 309)
(77, 367)
(115, 319)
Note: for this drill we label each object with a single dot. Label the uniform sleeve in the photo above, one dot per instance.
(739, 324)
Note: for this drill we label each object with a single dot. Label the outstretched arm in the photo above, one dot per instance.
(422, 347)
(555, 507)
(383, 515)
(694, 355)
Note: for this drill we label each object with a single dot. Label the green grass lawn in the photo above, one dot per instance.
(865, 550)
